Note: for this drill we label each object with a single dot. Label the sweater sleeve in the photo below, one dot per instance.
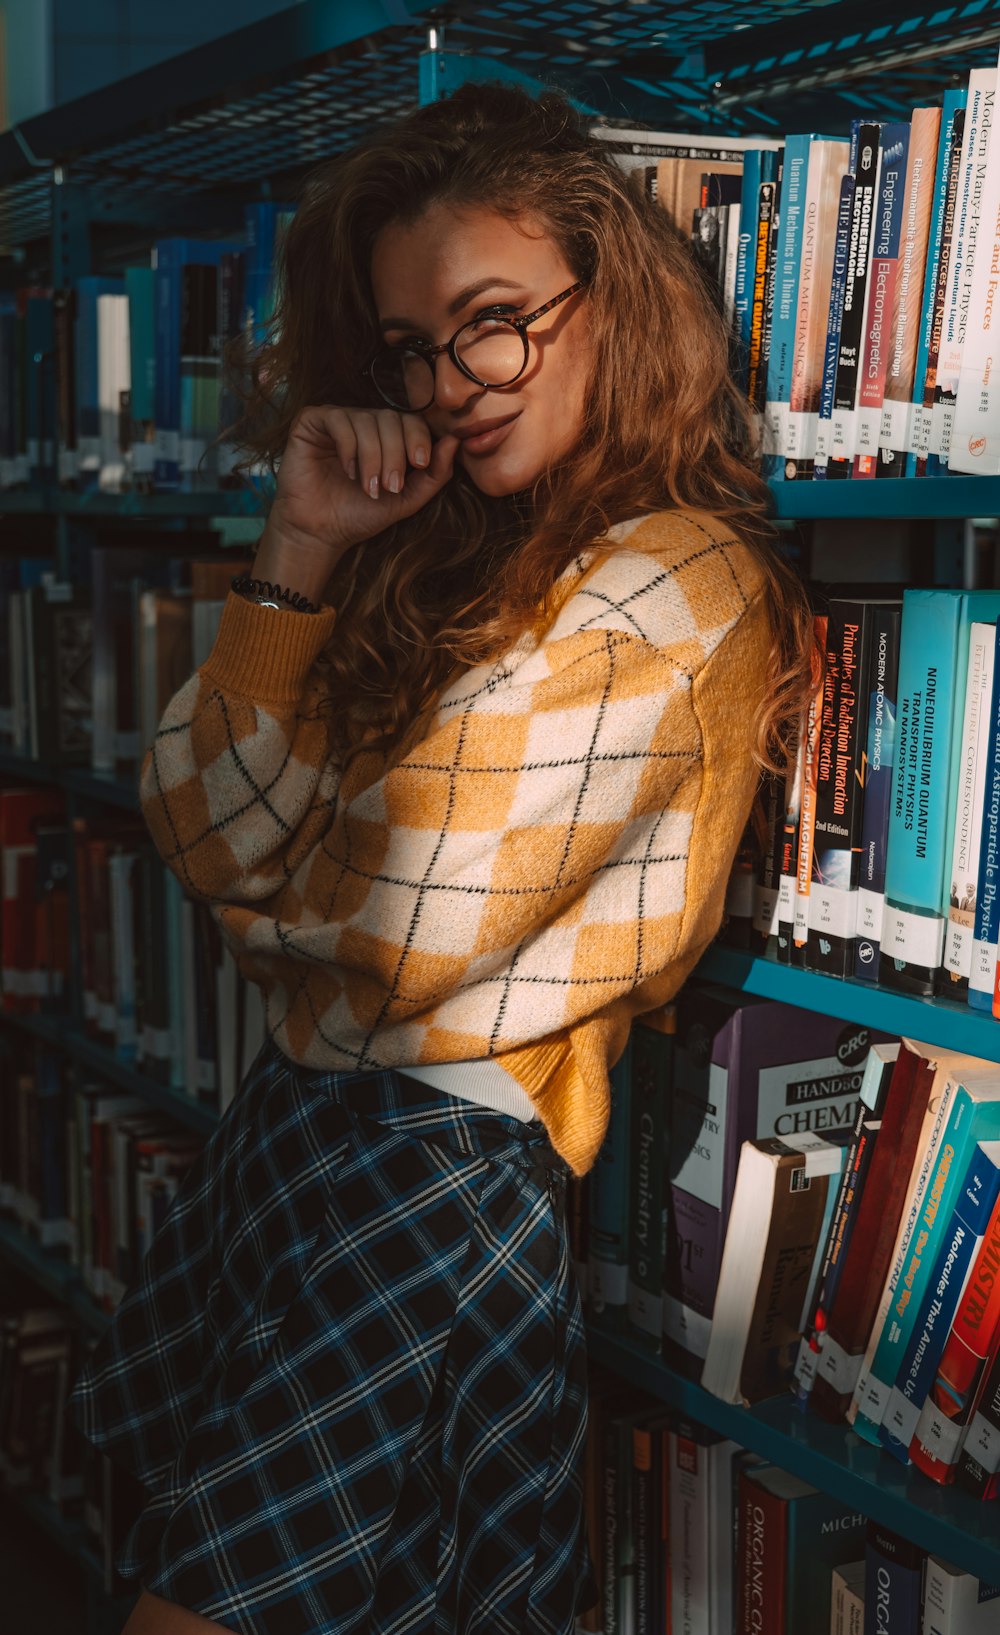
(237, 786)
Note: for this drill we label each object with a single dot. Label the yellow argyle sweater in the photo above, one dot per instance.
(547, 860)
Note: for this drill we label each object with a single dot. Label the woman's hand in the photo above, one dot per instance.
(345, 475)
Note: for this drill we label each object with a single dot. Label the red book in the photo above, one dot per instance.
(21, 811)
(866, 1262)
(961, 1373)
(761, 1549)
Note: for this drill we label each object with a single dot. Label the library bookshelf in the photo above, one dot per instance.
(180, 147)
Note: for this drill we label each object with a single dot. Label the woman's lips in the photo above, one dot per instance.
(486, 441)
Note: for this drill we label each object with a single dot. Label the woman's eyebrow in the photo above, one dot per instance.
(461, 300)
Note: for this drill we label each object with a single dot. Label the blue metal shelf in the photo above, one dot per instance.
(893, 497)
(58, 1033)
(77, 780)
(934, 1021)
(950, 1523)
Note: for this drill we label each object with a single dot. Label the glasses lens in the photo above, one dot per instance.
(405, 379)
(492, 350)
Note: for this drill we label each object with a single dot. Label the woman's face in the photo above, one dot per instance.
(438, 273)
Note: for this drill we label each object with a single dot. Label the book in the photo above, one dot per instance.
(938, 245)
(896, 429)
(827, 168)
(986, 912)
(835, 312)
(969, 1113)
(763, 293)
(933, 639)
(791, 1538)
(650, 1090)
(791, 218)
(760, 165)
(961, 1372)
(962, 253)
(863, 216)
(608, 1199)
(958, 1247)
(701, 1499)
(782, 1202)
(847, 1599)
(883, 277)
(880, 743)
(879, 1069)
(893, 1575)
(809, 753)
(966, 821)
(744, 1069)
(866, 1257)
(955, 1603)
(979, 1464)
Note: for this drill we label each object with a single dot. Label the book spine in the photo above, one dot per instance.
(763, 281)
(893, 1581)
(961, 1375)
(746, 261)
(986, 920)
(962, 256)
(943, 209)
(791, 208)
(980, 1461)
(607, 1261)
(913, 924)
(895, 432)
(650, 1090)
(956, 962)
(642, 1527)
(959, 1245)
(689, 1520)
(807, 813)
(881, 690)
(895, 142)
(835, 318)
(974, 444)
(762, 1546)
(837, 850)
(828, 161)
(790, 850)
(842, 432)
(768, 876)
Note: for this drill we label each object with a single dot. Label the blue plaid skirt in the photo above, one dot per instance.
(351, 1375)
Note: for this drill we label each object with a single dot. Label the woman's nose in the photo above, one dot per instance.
(452, 388)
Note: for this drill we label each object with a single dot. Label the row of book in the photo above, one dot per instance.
(87, 1171)
(877, 857)
(859, 278)
(785, 1202)
(87, 666)
(689, 1532)
(153, 978)
(117, 382)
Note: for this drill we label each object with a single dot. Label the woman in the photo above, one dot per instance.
(462, 779)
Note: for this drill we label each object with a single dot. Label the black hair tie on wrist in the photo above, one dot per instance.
(265, 590)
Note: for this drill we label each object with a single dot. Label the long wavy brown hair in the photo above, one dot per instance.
(664, 424)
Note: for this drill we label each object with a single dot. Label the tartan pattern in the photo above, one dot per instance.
(520, 868)
(351, 1372)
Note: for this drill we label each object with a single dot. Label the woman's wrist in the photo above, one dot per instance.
(302, 565)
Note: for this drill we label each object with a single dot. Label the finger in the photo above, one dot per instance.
(419, 441)
(390, 430)
(324, 422)
(366, 430)
(440, 469)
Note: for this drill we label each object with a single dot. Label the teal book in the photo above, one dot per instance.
(791, 1539)
(788, 257)
(972, 1114)
(652, 1044)
(759, 165)
(608, 1205)
(953, 104)
(933, 657)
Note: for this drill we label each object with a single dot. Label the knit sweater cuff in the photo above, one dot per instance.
(264, 654)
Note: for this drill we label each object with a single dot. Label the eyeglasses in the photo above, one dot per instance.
(492, 350)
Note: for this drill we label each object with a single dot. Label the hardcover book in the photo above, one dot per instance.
(881, 686)
(938, 244)
(882, 282)
(918, 198)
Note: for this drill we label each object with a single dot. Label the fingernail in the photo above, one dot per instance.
(420, 457)
(352, 469)
(393, 483)
(373, 488)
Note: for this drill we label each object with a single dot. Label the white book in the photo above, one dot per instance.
(959, 939)
(113, 378)
(956, 1603)
(828, 162)
(961, 255)
(701, 1509)
(729, 268)
(975, 433)
(847, 1599)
